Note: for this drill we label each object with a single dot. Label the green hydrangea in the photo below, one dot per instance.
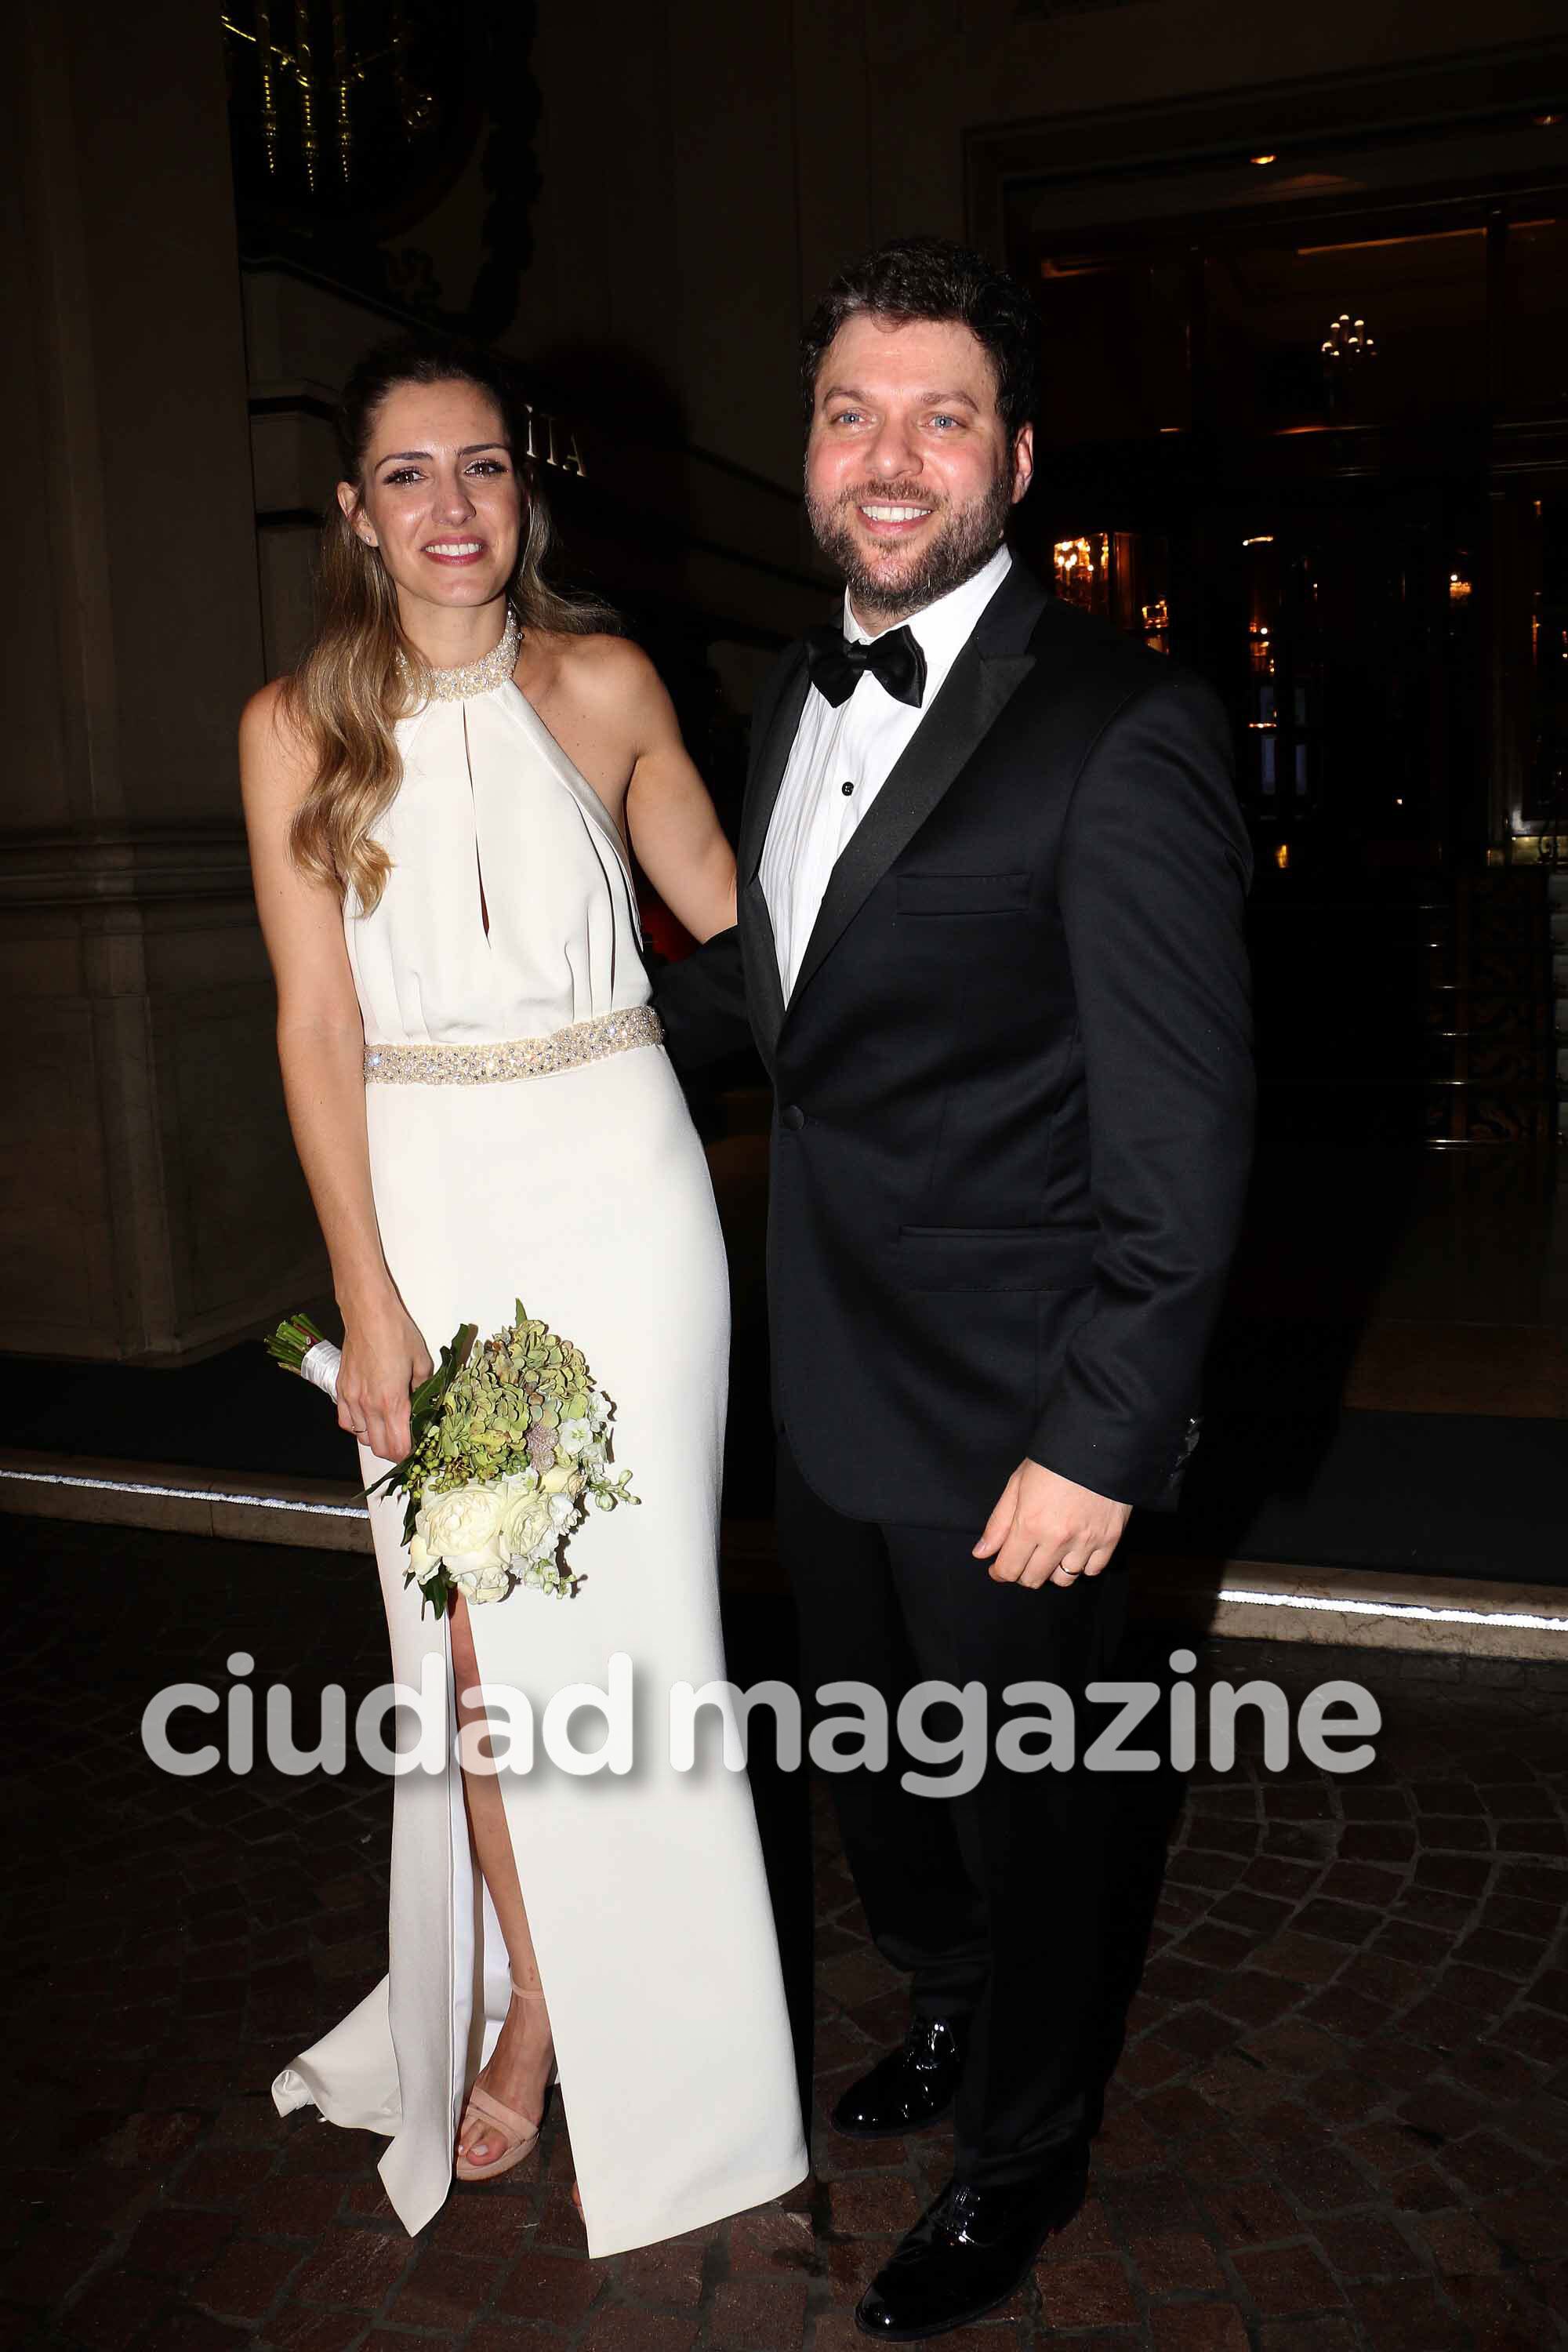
(521, 1407)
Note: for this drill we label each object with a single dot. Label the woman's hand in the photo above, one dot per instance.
(385, 1358)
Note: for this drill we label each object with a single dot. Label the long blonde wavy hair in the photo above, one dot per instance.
(360, 674)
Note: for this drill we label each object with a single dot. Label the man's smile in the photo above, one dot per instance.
(892, 521)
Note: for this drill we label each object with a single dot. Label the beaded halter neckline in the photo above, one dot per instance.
(469, 679)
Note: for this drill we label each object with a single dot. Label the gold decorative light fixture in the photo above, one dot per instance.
(1348, 340)
(1081, 567)
(350, 122)
(324, 74)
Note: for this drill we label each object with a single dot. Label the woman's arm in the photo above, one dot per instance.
(672, 824)
(320, 1046)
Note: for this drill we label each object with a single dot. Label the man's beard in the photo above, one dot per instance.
(964, 540)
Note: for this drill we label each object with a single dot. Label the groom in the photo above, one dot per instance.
(990, 947)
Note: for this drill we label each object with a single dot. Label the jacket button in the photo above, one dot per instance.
(794, 1117)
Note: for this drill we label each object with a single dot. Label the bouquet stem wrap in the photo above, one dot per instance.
(300, 1348)
(320, 1367)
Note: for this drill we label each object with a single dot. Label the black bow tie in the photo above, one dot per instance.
(838, 666)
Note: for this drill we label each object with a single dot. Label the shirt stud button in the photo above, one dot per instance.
(846, 789)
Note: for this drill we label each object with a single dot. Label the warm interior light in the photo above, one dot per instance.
(1264, 539)
(1263, 158)
(1080, 564)
(1415, 237)
(1282, 857)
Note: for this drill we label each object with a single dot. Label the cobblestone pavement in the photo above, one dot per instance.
(1340, 2119)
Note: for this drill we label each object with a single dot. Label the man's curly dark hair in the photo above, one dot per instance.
(928, 277)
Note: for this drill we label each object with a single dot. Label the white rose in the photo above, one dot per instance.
(461, 1523)
(556, 1480)
(490, 1582)
(574, 1437)
(419, 1559)
(525, 1525)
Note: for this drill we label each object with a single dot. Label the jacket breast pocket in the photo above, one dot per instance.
(962, 894)
(992, 1257)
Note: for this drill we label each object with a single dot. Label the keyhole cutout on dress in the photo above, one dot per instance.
(479, 862)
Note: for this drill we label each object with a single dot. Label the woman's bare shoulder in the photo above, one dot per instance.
(598, 667)
(273, 746)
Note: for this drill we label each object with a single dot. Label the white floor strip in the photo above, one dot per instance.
(1388, 1623)
(1406, 1608)
(184, 1493)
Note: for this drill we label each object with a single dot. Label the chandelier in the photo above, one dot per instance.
(1347, 341)
(328, 87)
(1081, 565)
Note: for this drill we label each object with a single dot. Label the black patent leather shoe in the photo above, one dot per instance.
(909, 2089)
(966, 2256)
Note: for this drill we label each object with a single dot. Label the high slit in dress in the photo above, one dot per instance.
(584, 1193)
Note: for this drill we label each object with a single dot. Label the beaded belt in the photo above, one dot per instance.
(518, 1058)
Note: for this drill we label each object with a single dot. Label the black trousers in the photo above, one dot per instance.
(992, 1900)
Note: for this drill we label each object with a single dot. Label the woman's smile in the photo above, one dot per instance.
(454, 551)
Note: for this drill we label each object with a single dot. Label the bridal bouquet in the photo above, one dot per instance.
(511, 1444)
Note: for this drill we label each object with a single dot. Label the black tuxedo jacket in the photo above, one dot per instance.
(1014, 1081)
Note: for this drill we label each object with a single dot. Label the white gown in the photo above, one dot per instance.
(584, 1193)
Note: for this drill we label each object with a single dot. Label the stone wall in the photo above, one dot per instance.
(151, 1206)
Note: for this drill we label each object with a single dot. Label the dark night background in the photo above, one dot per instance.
(1302, 275)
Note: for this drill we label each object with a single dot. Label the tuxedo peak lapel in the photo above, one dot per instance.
(759, 949)
(980, 685)
(1009, 620)
(760, 957)
(770, 758)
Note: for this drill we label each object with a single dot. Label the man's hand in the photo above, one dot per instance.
(1045, 1530)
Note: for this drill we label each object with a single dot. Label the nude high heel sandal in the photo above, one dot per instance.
(521, 2131)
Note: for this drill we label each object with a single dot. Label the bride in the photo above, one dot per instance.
(439, 803)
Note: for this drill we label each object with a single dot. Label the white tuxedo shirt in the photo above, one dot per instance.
(842, 757)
